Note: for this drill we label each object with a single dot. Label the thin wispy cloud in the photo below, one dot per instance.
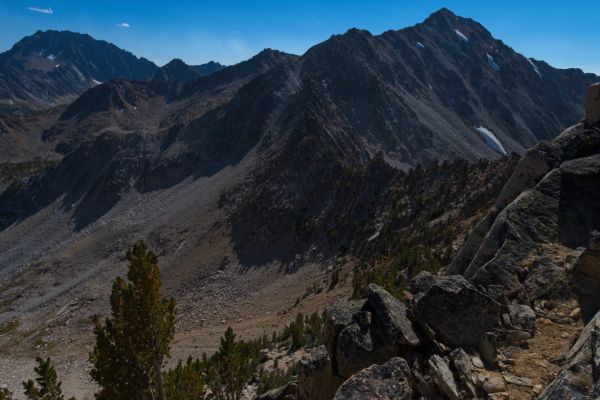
(41, 10)
(123, 25)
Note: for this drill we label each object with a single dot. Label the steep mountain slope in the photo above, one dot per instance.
(515, 316)
(51, 68)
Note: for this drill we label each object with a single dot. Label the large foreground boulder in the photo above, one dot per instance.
(336, 318)
(391, 321)
(457, 314)
(389, 381)
(315, 376)
(360, 334)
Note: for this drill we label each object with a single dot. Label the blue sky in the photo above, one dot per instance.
(564, 33)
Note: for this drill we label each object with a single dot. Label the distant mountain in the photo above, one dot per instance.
(209, 68)
(177, 71)
(51, 68)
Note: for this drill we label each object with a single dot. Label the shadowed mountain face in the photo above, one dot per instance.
(441, 90)
(52, 68)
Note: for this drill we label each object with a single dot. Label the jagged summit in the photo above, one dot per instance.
(51, 68)
(177, 71)
(208, 68)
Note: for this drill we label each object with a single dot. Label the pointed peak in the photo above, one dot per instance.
(444, 12)
(442, 15)
(176, 62)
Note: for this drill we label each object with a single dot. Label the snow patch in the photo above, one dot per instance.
(491, 140)
(373, 236)
(535, 68)
(492, 63)
(96, 82)
(57, 65)
(420, 45)
(461, 35)
(377, 232)
(51, 57)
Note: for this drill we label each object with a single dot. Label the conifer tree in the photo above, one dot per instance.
(229, 371)
(185, 381)
(46, 385)
(132, 343)
(297, 332)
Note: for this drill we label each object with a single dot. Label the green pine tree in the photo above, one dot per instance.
(297, 332)
(229, 371)
(185, 381)
(132, 343)
(46, 385)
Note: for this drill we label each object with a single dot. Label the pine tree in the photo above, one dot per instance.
(297, 332)
(48, 385)
(132, 344)
(229, 371)
(185, 381)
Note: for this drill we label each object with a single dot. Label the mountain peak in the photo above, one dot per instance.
(64, 64)
(442, 17)
(444, 12)
(175, 70)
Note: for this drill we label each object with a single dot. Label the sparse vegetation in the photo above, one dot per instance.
(46, 385)
(11, 171)
(428, 213)
(9, 327)
(133, 341)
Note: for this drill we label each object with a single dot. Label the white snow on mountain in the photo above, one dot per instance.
(492, 63)
(461, 35)
(535, 68)
(491, 140)
(420, 45)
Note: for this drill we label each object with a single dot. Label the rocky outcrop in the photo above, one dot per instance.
(442, 377)
(427, 335)
(579, 378)
(558, 208)
(315, 376)
(359, 334)
(389, 381)
(592, 110)
(391, 320)
(287, 392)
(586, 277)
(458, 314)
(336, 319)
(539, 242)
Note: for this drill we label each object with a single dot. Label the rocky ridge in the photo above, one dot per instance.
(467, 336)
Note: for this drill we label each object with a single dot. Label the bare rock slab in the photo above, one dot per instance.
(389, 381)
